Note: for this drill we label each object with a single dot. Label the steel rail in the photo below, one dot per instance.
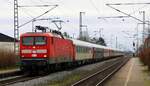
(78, 83)
(10, 80)
(10, 74)
(16, 79)
(109, 75)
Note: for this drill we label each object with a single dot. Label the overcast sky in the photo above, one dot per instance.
(68, 10)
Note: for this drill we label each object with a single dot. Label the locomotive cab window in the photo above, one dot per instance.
(41, 40)
(28, 40)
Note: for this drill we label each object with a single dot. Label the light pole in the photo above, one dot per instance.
(116, 42)
(73, 35)
(137, 30)
(80, 25)
(143, 12)
(100, 32)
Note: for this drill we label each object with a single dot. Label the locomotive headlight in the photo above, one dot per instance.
(45, 55)
(26, 51)
(41, 51)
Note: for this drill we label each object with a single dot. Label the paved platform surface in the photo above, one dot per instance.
(132, 74)
(8, 71)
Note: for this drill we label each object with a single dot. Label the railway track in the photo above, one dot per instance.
(22, 78)
(10, 74)
(16, 79)
(98, 78)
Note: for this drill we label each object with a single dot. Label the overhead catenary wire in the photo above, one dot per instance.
(123, 12)
(60, 9)
(138, 9)
(145, 4)
(123, 16)
(126, 15)
(128, 3)
(114, 17)
(36, 5)
(109, 5)
(98, 11)
(93, 4)
(25, 11)
(39, 15)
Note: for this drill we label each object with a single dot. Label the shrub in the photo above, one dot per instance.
(145, 57)
(7, 58)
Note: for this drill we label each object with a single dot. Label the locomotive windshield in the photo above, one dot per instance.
(28, 41)
(40, 40)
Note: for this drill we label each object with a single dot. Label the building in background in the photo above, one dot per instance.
(6, 42)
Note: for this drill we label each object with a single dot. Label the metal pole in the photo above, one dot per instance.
(33, 29)
(100, 32)
(116, 42)
(80, 25)
(137, 41)
(16, 28)
(148, 29)
(143, 32)
(73, 35)
(143, 25)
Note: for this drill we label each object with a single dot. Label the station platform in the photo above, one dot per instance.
(131, 74)
(8, 70)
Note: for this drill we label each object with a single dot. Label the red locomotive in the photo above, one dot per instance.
(48, 49)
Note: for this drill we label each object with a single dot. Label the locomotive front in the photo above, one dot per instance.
(34, 51)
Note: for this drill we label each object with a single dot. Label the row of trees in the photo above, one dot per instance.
(7, 58)
(144, 53)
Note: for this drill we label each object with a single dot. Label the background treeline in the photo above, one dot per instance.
(7, 58)
(144, 53)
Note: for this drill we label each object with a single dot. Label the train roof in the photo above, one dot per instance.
(75, 42)
(88, 44)
(41, 34)
(36, 34)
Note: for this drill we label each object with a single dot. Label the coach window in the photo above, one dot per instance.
(78, 49)
(40, 40)
(86, 49)
(28, 40)
(82, 49)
